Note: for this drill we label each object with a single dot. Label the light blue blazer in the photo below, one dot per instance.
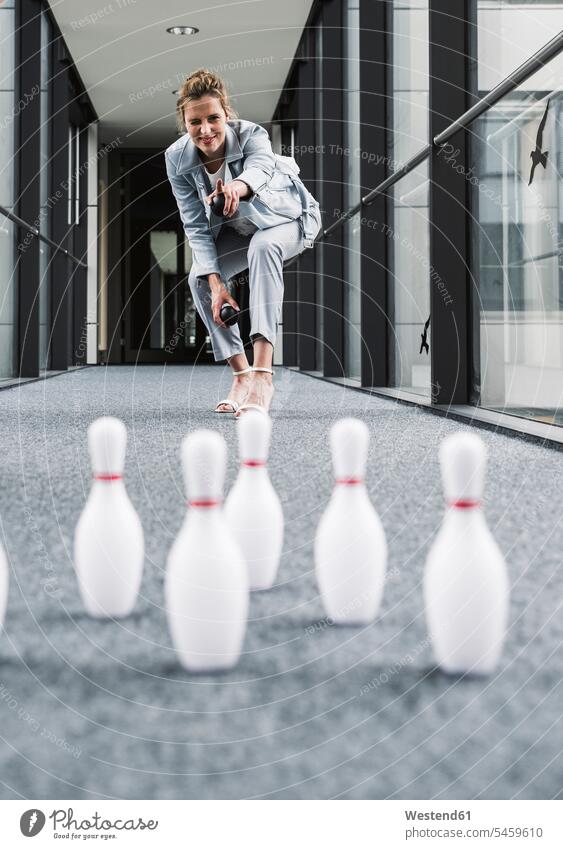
(278, 196)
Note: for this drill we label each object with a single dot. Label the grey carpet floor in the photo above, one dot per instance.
(102, 710)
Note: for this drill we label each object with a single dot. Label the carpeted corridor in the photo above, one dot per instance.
(93, 709)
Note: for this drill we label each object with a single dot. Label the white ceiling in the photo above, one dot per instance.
(130, 65)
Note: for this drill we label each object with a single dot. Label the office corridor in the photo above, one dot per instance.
(94, 709)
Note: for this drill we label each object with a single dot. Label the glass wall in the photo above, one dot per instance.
(73, 202)
(509, 32)
(319, 253)
(352, 192)
(407, 227)
(512, 225)
(44, 182)
(409, 59)
(8, 116)
(190, 312)
(27, 114)
(519, 147)
(409, 281)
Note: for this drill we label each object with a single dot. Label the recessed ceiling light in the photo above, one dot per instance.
(182, 30)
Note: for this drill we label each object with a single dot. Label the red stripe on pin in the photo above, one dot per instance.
(465, 504)
(204, 502)
(108, 477)
(349, 481)
(253, 464)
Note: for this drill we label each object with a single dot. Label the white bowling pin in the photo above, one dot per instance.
(466, 586)
(252, 508)
(206, 585)
(108, 544)
(350, 545)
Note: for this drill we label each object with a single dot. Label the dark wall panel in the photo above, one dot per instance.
(28, 60)
(449, 249)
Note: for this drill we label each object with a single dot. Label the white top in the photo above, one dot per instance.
(240, 224)
(224, 173)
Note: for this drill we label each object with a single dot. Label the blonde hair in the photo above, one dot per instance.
(199, 84)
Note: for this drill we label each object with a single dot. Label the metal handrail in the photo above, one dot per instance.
(36, 232)
(518, 76)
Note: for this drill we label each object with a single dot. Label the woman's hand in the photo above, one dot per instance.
(219, 296)
(233, 192)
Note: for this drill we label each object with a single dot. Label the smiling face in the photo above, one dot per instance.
(205, 121)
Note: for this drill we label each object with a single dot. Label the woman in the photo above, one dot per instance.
(268, 218)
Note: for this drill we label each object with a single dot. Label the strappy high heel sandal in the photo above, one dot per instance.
(232, 404)
(256, 406)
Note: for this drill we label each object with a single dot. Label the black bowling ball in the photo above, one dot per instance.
(229, 315)
(218, 204)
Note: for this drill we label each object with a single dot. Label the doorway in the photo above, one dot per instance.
(161, 322)
(151, 314)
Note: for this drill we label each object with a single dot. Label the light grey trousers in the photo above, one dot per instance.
(263, 253)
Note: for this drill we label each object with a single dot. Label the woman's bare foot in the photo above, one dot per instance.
(237, 392)
(260, 391)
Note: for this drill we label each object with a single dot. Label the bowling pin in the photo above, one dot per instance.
(466, 586)
(350, 545)
(108, 543)
(206, 585)
(253, 509)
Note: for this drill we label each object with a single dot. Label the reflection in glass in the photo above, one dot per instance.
(407, 228)
(408, 236)
(352, 314)
(189, 306)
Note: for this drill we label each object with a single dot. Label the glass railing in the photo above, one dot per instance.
(519, 150)
(519, 233)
